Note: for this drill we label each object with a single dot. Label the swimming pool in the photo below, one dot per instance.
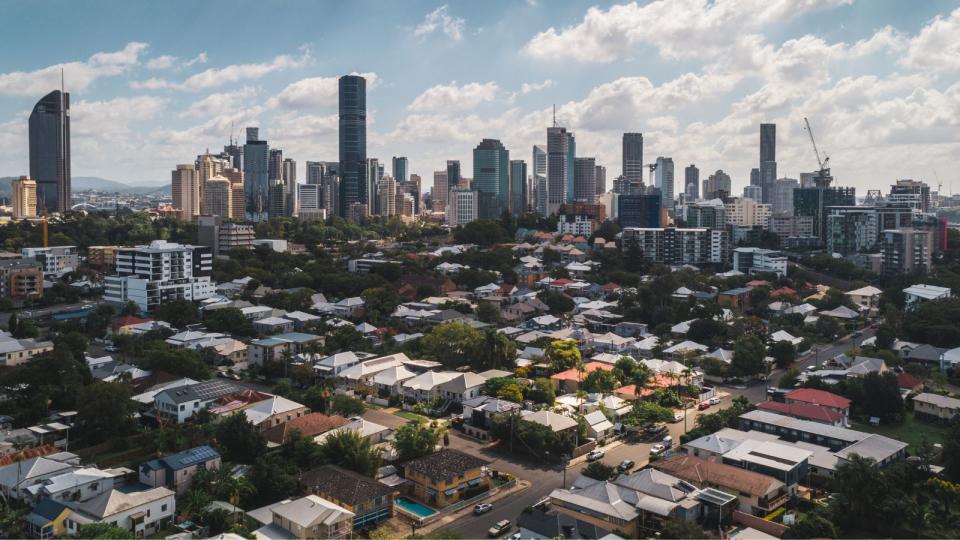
(414, 507)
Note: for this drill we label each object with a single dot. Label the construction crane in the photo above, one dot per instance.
(823, 173)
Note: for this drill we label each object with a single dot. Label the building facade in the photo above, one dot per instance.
(491, 176)
(678, 246)
(353, 141)
(160, 272)
(23, 197)
(585, 180)
(49, 137)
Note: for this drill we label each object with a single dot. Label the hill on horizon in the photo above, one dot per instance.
(81, 183)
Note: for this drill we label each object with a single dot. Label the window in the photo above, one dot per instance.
(163, 508)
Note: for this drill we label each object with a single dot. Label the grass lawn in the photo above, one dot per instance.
(411, 416)
(910, 431)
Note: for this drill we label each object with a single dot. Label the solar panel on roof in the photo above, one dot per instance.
(197, 455)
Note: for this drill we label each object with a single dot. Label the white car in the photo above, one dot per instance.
(595, 455)
(678, 417)
(657, 449)
(714, 401)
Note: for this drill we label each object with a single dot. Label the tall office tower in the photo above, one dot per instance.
(782, 200)
(353, 141)
(621, 185)
(518, 187)
(632, 168)
(639, 210)
(601, 178)
(754, 193)
(808, 179)
(373, 186)
(186, 196)
(238, 198)
(256, 182)
(310, 197)
(219, 198)
(717, 185)
(557, 167)
(278, 199)
(275, 165)
(50, 151)
(290, 183)
(754, 176)
(331, 192)
(538, 164)
(768, 159)
(664, 180)
(207, 166)
(571, 164)
(491, 177)
(541, 197)
(912, 193)
(23, 197)
(585, 180)
(314, 172)
(235, 152)
(691, 182)
(399, 169)
(387, 193)
(416, 189)
(438, 195)
(463, 206)
(454, 176)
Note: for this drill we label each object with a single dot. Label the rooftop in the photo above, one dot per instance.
(444, 464)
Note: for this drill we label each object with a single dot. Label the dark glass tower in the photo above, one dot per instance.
(50, 151)
(632, 168)
(256, 184)
(491, 174)
(768, 160)
(353, 141)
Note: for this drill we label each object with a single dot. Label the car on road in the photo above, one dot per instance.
(668, 441)
(626, 465)
(704, 405)
(499, 528)
(657, 449)
(482, 508)
(678, 417)
(515, 536)
(656, 430)
(714, 401)
(595, 455)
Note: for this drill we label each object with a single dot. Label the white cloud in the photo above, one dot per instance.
(78, 75)
(937, 46)
(218, 104)
(441, 20)
(527, 88)
(315, 92)
(453, 98)
(214, 77)
(167, 61)
(676, 28)
(110, 118)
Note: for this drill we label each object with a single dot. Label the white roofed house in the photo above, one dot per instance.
(426, 386)
(613, 343)
(273, 412)
(350, 307)
(304, 518)
(273, 325)
(462, 387)
(141, 512)
(866, 298)
(917, 294)
(362, 373)
(333, 365)
(16, 478)
(598, 424)
(14, 352)
(78, 484)
(391, 379)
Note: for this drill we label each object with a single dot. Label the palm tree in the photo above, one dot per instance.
(195, 502)
(639, 379)
(234, 488)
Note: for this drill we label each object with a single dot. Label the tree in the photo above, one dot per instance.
(273, 479)
(72, 343)
(812, 526)
(483, 232)
(345, 405)
(951, 451)
(707, 331)
(886, 335)
(598, 471)
(159, 356)
(880, 396)
(352, 451)
(783, 353)
(451, 343)
(600, 380)
(178, 313)
(511, 392)
(646, 412)
(861, 488)
(239, 441)
(789, 378)
(827, 327)
(105, 411)
(25, 329)
(494, 350)
(558, 303)
(414, 440)
(380, 301)
(488, 312)
(228, 320)
(563, 354)
(678, 529)
(934, 323)
(345, 338)
(104, 531)
(542, 391)
(748, 355)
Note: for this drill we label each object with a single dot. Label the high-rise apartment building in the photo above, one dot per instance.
(219, 198)
(814, 201)
(717, 185)
(710, 213)
(463, 206)
(851, 229)
(664, 180)
(768, 159)
(491, 177)
(747, 212)
(310, 198)
(221, 237)
(571, 164)
(185, 191)
(399, 169)
(20, 278)
(557, 167)
(237, 195)
(207, 166)
(159, 273)
(782, 198)
(691, 182)
(373, 186)
(54, 260)
(808, 179)
(353, 141)
(911, 193)
(675, 246)
(585, 180)
(23, 197)
(438, 194)
(639, 209)
(518, 187)
(387, 191)
(600, 174)
(632, 156)
(256, 181)
(906, 251)
(538, 164)
(49, 127)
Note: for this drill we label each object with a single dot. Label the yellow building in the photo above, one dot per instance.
(445, 477)
(23, 197)
(47, 520)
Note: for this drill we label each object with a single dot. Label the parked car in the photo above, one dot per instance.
(657, 449)
(499, 528)
(482, 508)
(515, 536)
(626, 465)
(678, 417)
(668, 441)
(714, 401)
(656, 430)
(595, 455)
(704, 405)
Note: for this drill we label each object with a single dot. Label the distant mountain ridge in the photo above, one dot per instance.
(82, 183)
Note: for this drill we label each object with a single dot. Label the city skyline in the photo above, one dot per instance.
(884, 79)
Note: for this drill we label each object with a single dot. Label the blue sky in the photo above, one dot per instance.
(154, 84)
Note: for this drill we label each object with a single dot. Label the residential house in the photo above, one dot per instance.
(274, 348)
(917, 294)
(821, 398)
(350, 308)
(309, 517)
(16, 478)
(445, 477)
(479, 412)
(333, 365)
(735, 298)
(426, 386)
(598, 426)
(309, 425)
(176, 471)
(927, 406)
(558, 423)
(389, 382)
(866, 298)
(180, 403)
(540, 525)
(462, 387)
(370, 501)
(568, 381)
(805, 411)
(758, 494)
(302, 320)
(143, 513)
(274, 411)
(47, 519)
(273, 325)
(78, 484)
(14, 352)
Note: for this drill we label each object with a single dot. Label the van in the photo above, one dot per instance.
(668, 441)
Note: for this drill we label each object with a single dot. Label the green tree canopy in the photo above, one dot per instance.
(748, 355)
(352, 451)
(414, 440)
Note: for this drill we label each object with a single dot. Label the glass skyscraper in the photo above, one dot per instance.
(768, 160)
(491, 176)
(400, 169)
(633, 158)
(256, 182)
(353, 141)
(50, 151)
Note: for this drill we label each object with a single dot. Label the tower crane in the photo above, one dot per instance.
(823, 173)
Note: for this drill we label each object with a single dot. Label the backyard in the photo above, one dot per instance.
(910, 431)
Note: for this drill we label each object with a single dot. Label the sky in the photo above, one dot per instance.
(153, 84)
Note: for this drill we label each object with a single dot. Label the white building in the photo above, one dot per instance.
(142, 512)
(161, 272)
(752, 259)
(917, 294)
(462, 207)
(678, 246)
(56, 260)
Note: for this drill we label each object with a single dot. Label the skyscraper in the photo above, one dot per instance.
(186, 195)
(387, 192)
(353, 141)
(275, 164)
(754, 176)
(256, 183)
(585, 179)
(557, 168)
(237, 196)
(373, 187)
(290, 185)
(314, 172)
(491, 176)
(691, 182)
(633, 158)
(218, 198)
(717, 185)
(50, 151)
(454, 177)
(571, 164)
(664, 180)
(441, 188)
(518, 187)
(23, 197)
(399, 169)
(782, 198)
(768, 159)
(601, 178)
(539, 165)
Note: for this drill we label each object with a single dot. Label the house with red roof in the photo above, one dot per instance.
(569, 381)
(909, 383)
(758, 283)
(782, 291)
(812, 396)
(804, 411)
